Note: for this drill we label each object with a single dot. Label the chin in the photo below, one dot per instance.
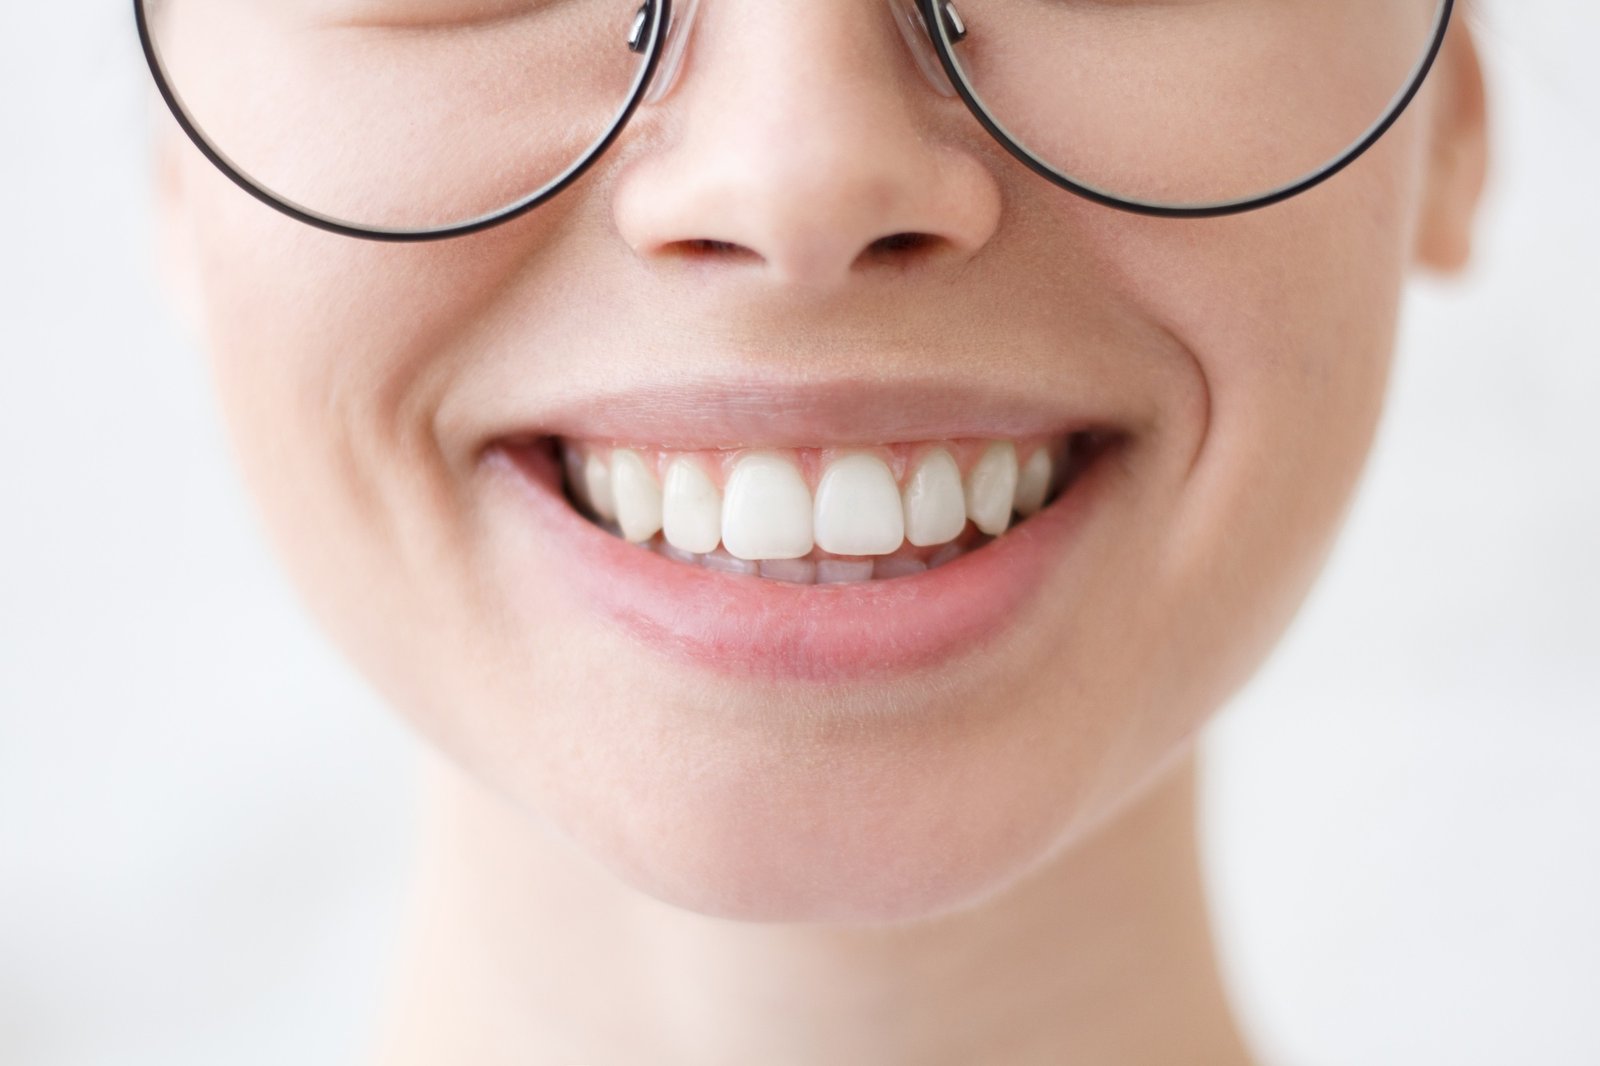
(827, 823)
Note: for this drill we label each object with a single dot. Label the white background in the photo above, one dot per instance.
(204, 818)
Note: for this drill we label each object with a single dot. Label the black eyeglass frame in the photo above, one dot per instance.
(944, 31)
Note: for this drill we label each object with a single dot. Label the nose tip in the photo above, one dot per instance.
(801, 144)
(803, 218)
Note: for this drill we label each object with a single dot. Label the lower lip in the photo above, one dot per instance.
(747, 626)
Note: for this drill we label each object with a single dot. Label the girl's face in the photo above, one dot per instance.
(734, 277)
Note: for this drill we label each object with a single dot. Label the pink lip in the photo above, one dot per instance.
(689, 411)
(753, 627)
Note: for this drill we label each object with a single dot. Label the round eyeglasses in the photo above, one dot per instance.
(410, 120)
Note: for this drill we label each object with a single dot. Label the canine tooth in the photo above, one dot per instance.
(991, 486)
(858, 507)
(798, 571)
(831, 571)
(897, 566)
(691, 509)
(721, 560)
(597, 486)
(636, 495)
(766, 511)
(935, 509)
(1033, 482)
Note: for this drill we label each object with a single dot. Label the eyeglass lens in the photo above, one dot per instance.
(415, 115)
(1189, 103)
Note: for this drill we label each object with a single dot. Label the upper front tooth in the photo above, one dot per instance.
(991, 487)
(766, 510)
(1033, 482)
(691, 509)
(858, 507)
(597, 486)
(935, 510)
(636, 494)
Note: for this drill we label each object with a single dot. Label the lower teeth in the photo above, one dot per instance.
(818, 568)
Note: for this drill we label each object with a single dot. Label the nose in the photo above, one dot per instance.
(801, 143)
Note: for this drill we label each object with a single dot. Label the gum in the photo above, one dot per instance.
(901, 458)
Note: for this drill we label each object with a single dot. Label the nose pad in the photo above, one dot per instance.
(909, 19)
(906, 17)
(672, 55)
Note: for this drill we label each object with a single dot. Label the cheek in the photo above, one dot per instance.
(330, 356)
(1288, 316)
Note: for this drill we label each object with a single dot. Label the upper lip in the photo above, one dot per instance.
(687, 413)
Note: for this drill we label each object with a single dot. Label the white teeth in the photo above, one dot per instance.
(1033, 482)
(897, 566)
(830, 571)
(691, 511)
(636, 495)
(721, 560)
(935, 508)
(766, 511)
(991, 486)
(766, 521)
(798, 571)
(679, 554)
(858, 507)
(597, 486)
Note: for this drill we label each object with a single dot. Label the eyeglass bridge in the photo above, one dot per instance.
(954, 26)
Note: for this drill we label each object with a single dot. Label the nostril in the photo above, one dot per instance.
(706, 248)
(901, 242)
(902, 247)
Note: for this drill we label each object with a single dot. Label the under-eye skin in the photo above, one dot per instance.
(1170, 119)
(426, 14)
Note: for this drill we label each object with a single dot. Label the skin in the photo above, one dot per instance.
(1006, 861)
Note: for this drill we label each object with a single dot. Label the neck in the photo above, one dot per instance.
(523, 949)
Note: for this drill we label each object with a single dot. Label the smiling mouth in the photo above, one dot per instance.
(821, 515)
(811, 531)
